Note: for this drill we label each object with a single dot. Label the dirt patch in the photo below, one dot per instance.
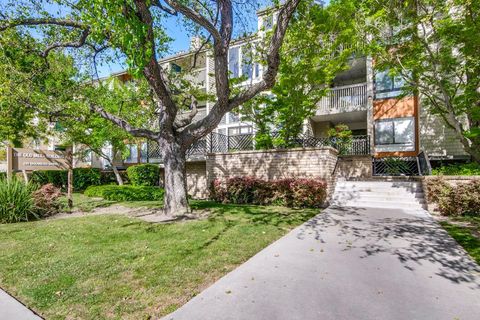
(147, 214)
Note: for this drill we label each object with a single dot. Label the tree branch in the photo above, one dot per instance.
(136, 132)
(196, 17)
(41, 21)
(80, 43)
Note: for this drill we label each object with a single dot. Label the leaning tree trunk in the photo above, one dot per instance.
(117, 175)
(175, 200)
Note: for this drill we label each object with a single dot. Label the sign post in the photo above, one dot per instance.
(9, 162)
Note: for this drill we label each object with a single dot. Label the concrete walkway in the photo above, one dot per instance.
(349, 263)
(11, 309)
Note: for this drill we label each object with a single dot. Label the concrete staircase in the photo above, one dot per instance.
(399, 194)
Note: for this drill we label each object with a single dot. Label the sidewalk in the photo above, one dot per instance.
(11, 309)
(350, 264)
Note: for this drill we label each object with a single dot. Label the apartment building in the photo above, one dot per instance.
(385, 123)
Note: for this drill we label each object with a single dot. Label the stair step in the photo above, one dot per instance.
(402, 194)
(378, 204)
(379, 199)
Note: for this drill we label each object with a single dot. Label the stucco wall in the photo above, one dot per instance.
(274, 164)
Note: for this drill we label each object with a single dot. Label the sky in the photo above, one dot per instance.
(173, 26)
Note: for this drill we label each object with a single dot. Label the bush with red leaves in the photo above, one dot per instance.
(293, 192)
(46, 200)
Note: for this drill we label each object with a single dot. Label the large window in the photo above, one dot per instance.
(387, 86)
(398, 132)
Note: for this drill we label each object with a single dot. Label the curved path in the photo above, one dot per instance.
(350, 263)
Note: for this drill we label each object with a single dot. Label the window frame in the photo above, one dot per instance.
(392, 120)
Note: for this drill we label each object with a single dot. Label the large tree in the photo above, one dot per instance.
(134, 29)
(434, 45)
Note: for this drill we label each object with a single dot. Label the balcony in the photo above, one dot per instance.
(344, 99)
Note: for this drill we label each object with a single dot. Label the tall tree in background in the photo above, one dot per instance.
(318, 45)
(134, 29)
(434, 45)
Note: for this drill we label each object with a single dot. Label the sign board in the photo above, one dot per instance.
(25, 159)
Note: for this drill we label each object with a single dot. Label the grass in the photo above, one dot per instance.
(466, 231)
(116, 267)
(88, 204)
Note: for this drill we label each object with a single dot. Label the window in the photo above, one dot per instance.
(398, 131)
(387, 86)
(233, 131)
(233, 117)
(176, 68)
(133, 156)
(268, 22)
(233, 62)
(144, 152)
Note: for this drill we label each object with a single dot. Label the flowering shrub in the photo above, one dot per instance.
(462, 199)
(299, 193)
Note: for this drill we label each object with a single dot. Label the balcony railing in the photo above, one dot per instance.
(344, 99)
(220, 143)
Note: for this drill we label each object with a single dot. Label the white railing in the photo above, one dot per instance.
(344, 99)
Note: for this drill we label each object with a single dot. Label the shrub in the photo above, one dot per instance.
(299, 193)
(125, 193)
(46, 200)
(108, 177)
(82, 178)
(56, 177)
(144, 175)
(464, 169)
(85, 177)
(16, 201)
(462, 199)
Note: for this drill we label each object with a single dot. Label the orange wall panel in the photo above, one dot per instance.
(394, 108)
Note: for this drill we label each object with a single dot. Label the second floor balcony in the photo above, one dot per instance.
(344, 99)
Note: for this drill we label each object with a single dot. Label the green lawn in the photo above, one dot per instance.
(466, 230)
(116, 267)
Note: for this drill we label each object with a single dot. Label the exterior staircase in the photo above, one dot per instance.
(380, 193)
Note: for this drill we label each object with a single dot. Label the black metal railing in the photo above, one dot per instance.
(220, 143)
(402, 166)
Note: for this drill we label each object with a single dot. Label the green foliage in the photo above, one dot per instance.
(82, 178)
(296, 193)
(144, 175)
(465, 169)
(16, 201)
(108, 177)
(126, 193)
(29, 83)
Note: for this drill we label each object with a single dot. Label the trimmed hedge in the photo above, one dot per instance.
(144, 175)
(125, 193)
(82, 178)
(459, 200)
(108, 177)
(297, 193)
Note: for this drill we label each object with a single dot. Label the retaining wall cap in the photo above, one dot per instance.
(331, 149)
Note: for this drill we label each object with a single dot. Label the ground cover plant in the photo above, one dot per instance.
(463, 169)
(116, 267)
(126, 193)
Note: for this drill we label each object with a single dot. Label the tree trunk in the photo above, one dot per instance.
(117, 175)
(175, 200)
